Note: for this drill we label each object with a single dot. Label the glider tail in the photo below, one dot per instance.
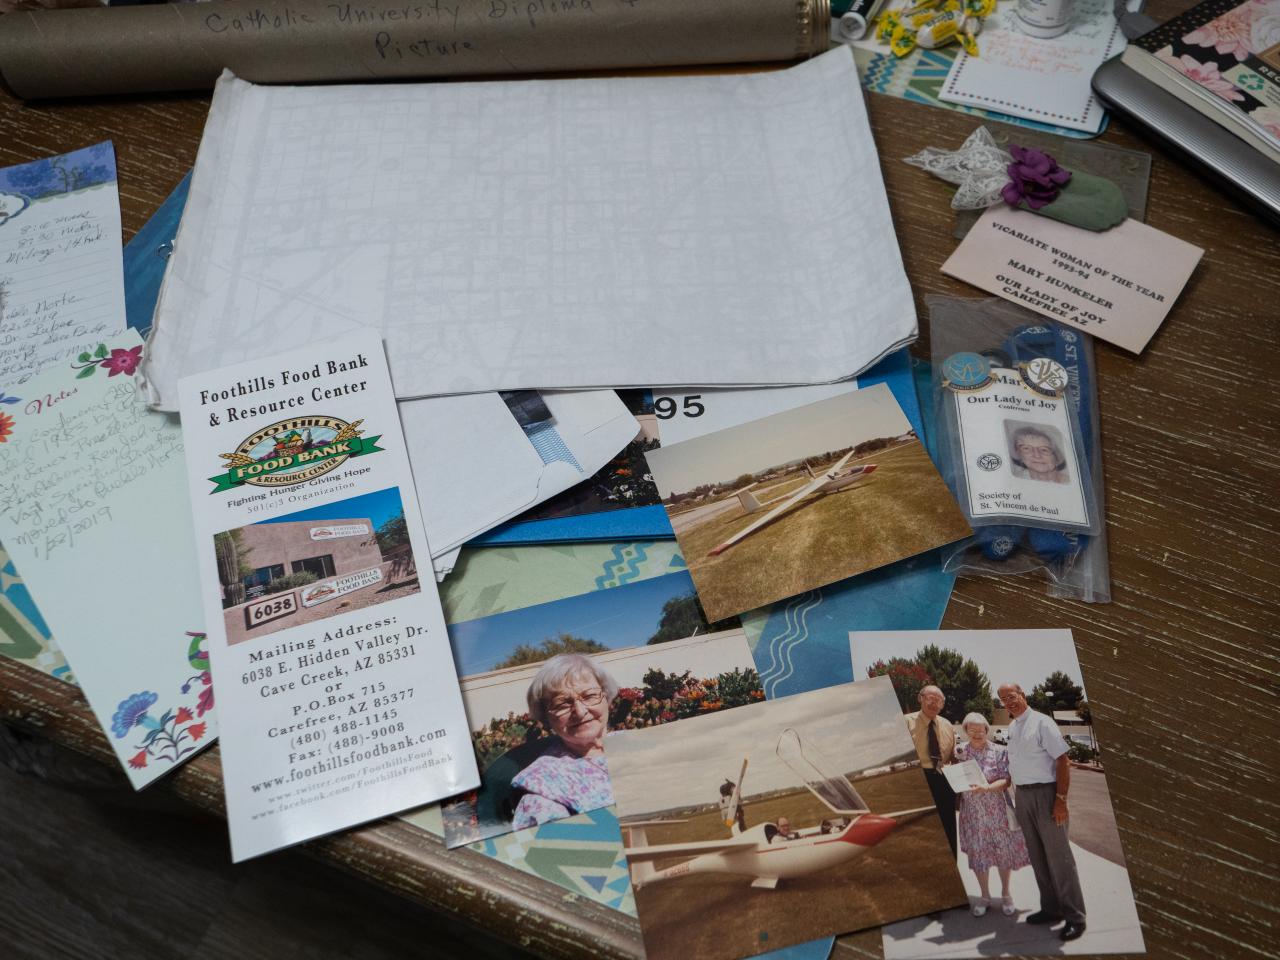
(634, 835)
(643, 871)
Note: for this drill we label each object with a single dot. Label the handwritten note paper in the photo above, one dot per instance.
(61, 279)
(1045, 80)
(1118, 285)
(93, 510)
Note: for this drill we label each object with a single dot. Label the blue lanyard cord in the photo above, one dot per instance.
(1067, 347)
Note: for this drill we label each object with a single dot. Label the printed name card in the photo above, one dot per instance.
(341, 699)
(1118, 284)
(92, 511)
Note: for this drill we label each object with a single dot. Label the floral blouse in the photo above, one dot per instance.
(559, 784)
(993, 760)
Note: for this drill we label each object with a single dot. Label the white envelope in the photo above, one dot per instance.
(570, 234)
(444, 565)
(475, 467)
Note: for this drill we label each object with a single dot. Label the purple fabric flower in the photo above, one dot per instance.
(131, 711)
(1034, 177)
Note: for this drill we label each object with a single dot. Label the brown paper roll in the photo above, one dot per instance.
(176, 46)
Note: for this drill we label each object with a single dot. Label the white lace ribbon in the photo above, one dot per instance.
(978, 169)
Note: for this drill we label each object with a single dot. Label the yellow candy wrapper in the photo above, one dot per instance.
(902, 42)
(939, 30)
(934, 23)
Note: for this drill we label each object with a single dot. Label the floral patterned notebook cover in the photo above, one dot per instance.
(1230, 49)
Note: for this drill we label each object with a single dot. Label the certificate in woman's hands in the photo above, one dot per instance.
(964, 776)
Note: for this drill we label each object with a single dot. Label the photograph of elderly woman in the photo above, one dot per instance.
(1035, 452)
(545, 685)
(1003, 731)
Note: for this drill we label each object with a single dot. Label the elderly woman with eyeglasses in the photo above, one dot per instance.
(1036, 456)
(570, 695)
(986, 836)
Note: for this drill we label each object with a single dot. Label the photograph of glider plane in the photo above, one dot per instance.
(806, 816)
(771, 851)
(794, 501)
(831, 481)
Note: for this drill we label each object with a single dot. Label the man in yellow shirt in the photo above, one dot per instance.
(935, 741)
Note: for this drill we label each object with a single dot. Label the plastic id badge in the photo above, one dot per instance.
(1017, 442)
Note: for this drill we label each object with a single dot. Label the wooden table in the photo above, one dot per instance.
(1183, 668)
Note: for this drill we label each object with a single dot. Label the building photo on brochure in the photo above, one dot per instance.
(315, 563)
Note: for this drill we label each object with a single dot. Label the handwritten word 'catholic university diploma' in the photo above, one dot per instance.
(331, 651)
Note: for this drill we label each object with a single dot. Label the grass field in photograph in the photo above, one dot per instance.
(902, 509)
(908, 873)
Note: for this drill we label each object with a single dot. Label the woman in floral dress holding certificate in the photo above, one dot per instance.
(988, 836)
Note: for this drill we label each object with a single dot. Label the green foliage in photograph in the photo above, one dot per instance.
(392, 534)
(537, 652)
(966, 687)
(1058, 692)
(663, 697)
(684, 617)
(291, 581)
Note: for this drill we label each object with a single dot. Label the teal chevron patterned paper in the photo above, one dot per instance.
(489, 580)
(23, 634)
(582, 854)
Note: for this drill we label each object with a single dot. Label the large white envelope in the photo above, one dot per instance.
(726, 230)
(474, 466)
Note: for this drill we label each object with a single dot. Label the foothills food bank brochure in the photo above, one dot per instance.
(331, 649)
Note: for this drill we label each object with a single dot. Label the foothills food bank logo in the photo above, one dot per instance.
(294, 451)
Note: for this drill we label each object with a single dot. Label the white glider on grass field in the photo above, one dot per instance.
(764, 853)
(831, 481)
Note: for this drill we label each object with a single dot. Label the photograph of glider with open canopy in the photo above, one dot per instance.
(773, 851)
(794, 501)
(799, 817)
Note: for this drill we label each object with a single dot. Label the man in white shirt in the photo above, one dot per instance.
(1041, 772)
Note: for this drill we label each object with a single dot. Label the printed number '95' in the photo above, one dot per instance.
(666, 407)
